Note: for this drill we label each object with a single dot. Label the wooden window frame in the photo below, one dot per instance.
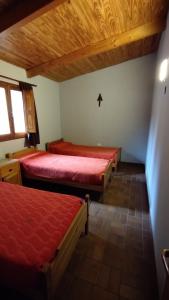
(12, 135)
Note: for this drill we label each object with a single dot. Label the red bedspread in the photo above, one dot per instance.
(32, 225)
(67, 148)
(64, 168)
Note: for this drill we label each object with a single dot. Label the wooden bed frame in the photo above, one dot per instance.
(55, 270)
(117, 160)
(114, 164)
(100, 188)
(52, 272)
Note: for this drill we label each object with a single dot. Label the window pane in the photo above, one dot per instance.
(18, 111)
(4, 119)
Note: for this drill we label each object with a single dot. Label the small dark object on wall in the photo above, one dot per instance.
(100, 99)
(165, 90)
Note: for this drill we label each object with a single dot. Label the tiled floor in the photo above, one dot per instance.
(115, 261)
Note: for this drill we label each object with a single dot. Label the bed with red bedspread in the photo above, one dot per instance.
(84, 172)
(33, 225)
(67, 148)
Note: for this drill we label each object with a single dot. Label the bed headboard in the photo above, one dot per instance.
(20, 153)
(59, 140)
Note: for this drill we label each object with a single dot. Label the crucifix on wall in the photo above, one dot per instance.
(99, 99)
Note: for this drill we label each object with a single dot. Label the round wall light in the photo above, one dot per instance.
(163, 70)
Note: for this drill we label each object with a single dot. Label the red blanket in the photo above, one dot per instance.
(67, 148)
(32, 225)
(64, 168)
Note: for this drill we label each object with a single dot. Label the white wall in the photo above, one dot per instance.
(123, 118)
(47, 104)
(157, 163)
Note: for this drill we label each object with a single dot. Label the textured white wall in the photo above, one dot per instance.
(157, 162)
(47, 104)
(123, 118)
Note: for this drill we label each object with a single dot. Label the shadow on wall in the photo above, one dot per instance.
(129, 157)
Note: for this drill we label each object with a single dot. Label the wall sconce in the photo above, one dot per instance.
(163, 70)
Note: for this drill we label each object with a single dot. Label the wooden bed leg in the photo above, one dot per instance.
(86, 228)
(46, 147)
(87, 199)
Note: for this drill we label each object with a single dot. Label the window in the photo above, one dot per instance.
(12, 118)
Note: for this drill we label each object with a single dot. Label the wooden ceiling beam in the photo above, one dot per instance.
(114, 42)
(24, 12)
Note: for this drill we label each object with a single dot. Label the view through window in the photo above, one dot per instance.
(12, 118)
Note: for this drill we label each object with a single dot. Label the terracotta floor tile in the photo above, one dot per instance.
(134, 233)
(114, 281)
(117, 240)
(96, 251)
(100, 294)
(135, 247)
(123, 217)
(131, 212)
(113, 256)
(81, 290)
(132, 281)
(65, 286)
(103, 276)
(118, 229)
(88, 270)
(75, 261)
(130, 293)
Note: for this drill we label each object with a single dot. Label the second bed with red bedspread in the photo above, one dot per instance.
(64, 168)
(67, 148)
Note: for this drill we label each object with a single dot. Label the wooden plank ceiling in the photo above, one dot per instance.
(62, 39)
